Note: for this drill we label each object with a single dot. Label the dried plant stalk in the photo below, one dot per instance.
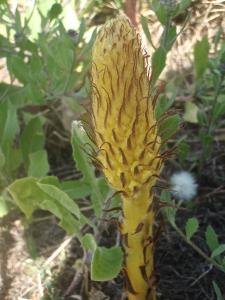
(126, 134)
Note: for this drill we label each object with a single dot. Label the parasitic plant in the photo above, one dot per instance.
(128, 143)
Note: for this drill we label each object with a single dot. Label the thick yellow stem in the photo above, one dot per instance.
(137, 233)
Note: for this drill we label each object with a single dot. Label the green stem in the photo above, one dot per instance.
(197, 249)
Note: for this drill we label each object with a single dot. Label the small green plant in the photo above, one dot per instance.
(207, 110)
(216, 250)
(45, 68)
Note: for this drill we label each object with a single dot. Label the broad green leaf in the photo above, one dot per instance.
(158, 64)
(219, 250)
(76, 189)
(88, 242)
(30, 194)
(60, 197)
(191, 227)
(38, 164)
(191, 112)
(67, 220)
(26, 194)
(211, 238)
(201, 51)
(106, 263)
(217, 290)
(169, 127)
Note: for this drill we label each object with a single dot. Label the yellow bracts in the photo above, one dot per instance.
(126, 135)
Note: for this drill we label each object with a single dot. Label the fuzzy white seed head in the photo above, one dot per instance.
(183, 185)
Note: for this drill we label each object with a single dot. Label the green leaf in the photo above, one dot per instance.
(201, 51)
(219, 110)
(106, 263)
(163, 104)
(32, 138)
(183, 151)
(82, 30)
(55, 11)
(170, 38)
(144, 24)
(160, 11)
(191, 227)
(169, 212)
(158, 64)
(60, 197)
(30, 194)
(169, 127)
(8, 126)
(219, 250)
(38, 166)
(191, 112)
(217, 290)
(88, 242)
(76, 189)
(13, 160)
(79, 138)
(18, 68)
(18, 24)
(211, 238)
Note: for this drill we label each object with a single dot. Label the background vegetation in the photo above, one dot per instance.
(47, 179)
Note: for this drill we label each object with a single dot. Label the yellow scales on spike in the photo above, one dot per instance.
(126, 135)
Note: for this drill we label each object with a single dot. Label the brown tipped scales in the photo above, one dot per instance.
(126, 135)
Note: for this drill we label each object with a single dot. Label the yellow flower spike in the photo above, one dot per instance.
(126, 135)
